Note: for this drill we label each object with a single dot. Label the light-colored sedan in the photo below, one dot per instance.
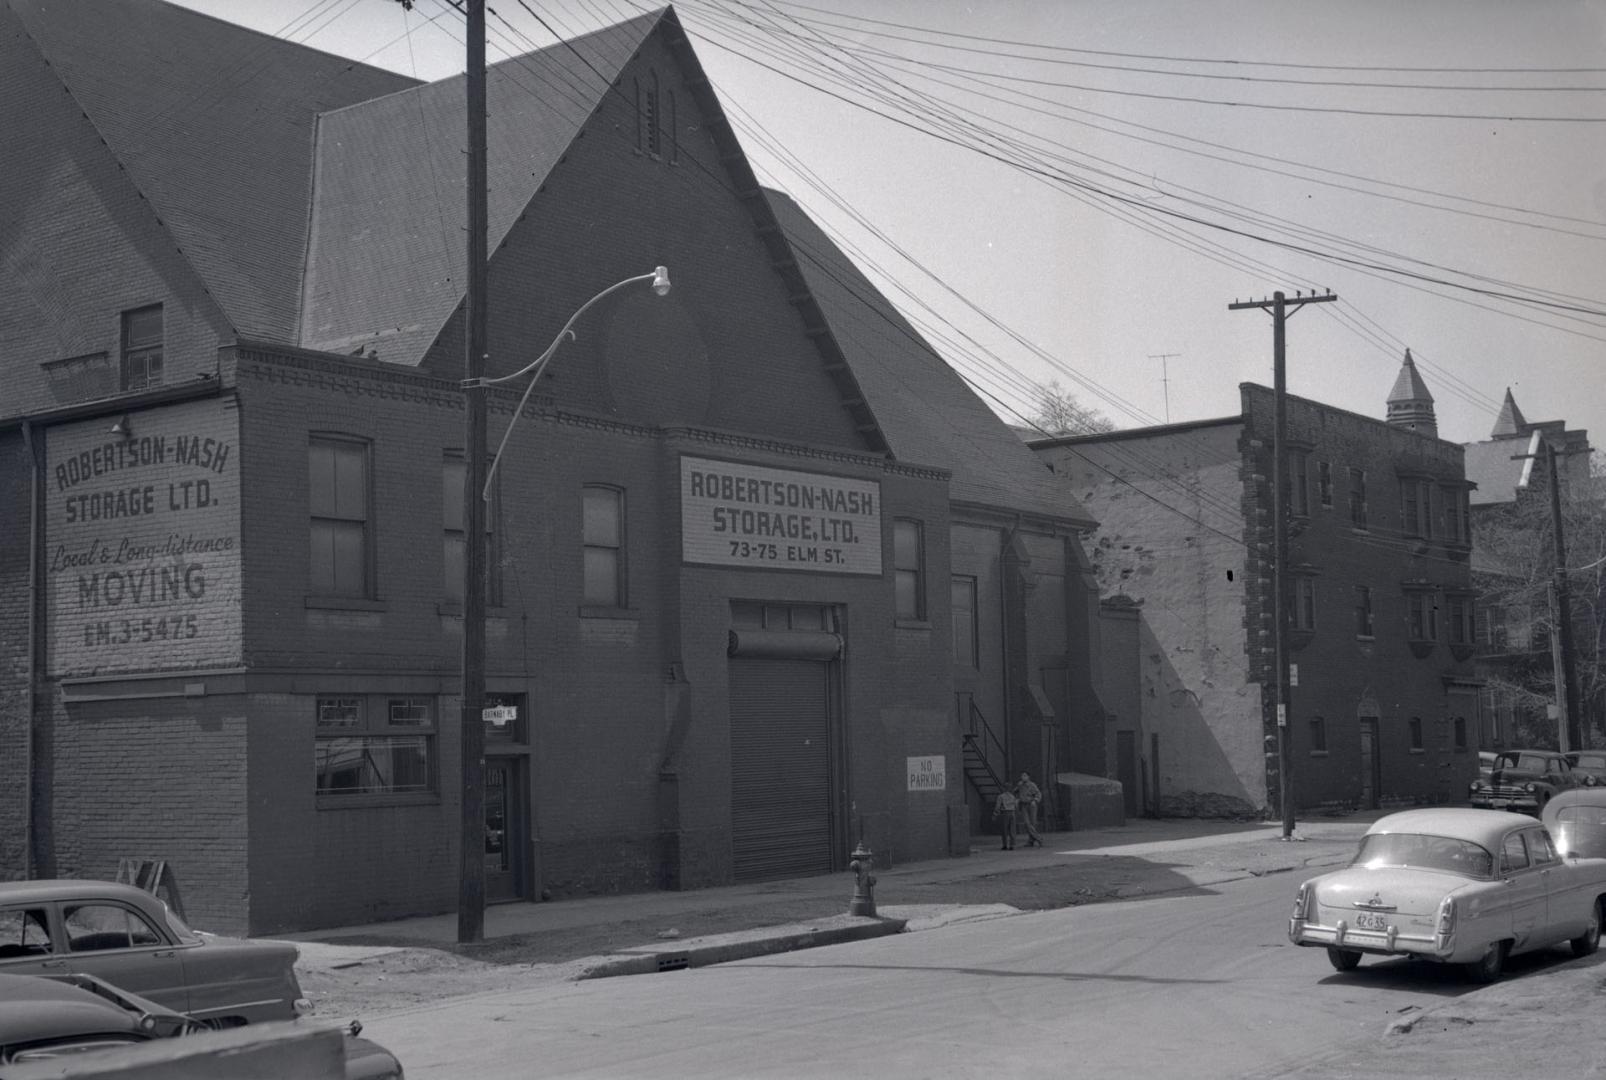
(1456, 886)
(132, 940)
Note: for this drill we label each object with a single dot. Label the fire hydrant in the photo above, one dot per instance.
(863, 902)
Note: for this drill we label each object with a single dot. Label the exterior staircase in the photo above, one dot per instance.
(982, 748)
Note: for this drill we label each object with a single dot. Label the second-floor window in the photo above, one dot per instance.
(603, 532)
(1424, 616)
(1297, 486)
(908, 560)
(1304, 603)
(1357, 498)
(963, 605)
(1414, 730)
(1318, 735)
(1461, 620)
(1363, 612)
(337, 472)
(1455, 515)
(1416, 508)
(141, 362)
(1324, 483)
(1492, 626)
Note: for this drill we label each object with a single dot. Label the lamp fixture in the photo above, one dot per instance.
(660, 285)
(123, 428)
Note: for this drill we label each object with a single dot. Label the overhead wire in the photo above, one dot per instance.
(1188, 59)
(1335, 257)
(1203, 524)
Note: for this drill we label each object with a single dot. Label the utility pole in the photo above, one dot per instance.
(1165, 379)
(1570, 727)
(1278, 306)
(471, 878)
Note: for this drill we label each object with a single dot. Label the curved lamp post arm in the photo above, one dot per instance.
(660, 285)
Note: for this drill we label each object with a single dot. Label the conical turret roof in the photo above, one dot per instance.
(1510, 421)
(1409, 386)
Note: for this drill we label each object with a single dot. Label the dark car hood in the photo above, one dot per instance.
(57, 1018)
(1516, 776)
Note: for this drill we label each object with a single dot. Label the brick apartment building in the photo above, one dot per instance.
(1385, 708)
(759, 559)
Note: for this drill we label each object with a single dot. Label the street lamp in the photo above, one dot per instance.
(660, 285)
(471, 822)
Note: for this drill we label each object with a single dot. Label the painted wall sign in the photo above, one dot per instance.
(142, 533)
(928, 773)
(747, 515)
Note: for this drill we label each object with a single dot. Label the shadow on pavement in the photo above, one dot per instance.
(1442, 980)
(1059, 976)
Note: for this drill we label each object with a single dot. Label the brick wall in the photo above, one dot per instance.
(1341, 674)
(86, 247)
(14, 662)
(1169, 526)
(1200, 566)
(157, 779)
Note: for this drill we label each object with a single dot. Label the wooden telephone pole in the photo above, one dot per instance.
(471, 879)
(1278, 305)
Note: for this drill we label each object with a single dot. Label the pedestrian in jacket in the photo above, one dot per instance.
(1005, 811)
(1030, 795)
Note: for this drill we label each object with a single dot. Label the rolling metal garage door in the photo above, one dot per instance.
(781, 768)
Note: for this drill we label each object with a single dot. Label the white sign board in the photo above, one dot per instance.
(733, 514)
(499, 714)
(142, 556)
(928, 773)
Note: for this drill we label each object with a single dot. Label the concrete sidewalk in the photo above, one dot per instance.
(652, 931)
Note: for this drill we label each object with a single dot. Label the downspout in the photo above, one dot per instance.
(1005, 611)
(35, 489)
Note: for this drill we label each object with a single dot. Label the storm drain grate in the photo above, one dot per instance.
(678, 961)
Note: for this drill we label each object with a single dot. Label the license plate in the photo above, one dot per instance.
(1367, 920)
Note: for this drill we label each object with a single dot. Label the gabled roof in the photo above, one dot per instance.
(385, 261)
(1510, 421)
(213, 124)
(925, 411)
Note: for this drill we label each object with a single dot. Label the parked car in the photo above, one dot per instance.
(1524, 781)
(1577, 820)
(47, 1018)
(1456, 886)
(134, 941)
(1589, 765)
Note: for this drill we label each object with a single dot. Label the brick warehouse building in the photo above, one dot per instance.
(1384, 710)
(760, 560)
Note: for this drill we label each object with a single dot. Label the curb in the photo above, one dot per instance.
(723, 948)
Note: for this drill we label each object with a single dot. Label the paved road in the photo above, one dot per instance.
(1201, 985)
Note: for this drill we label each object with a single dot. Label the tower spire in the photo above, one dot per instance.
(1510, 421)
(1410, 404)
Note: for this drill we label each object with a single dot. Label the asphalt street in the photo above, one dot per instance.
(1387, 1019)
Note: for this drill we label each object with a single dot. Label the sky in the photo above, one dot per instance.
(1073, 192)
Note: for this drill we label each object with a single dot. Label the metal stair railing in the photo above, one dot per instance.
(978, 742)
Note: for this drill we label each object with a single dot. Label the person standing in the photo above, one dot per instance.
(1030, 795)
(1005, 811)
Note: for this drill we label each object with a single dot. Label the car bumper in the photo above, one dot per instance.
(1522, 804)
(1390, 942)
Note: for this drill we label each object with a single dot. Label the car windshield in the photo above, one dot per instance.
(1581, 830)
(1422, 852)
